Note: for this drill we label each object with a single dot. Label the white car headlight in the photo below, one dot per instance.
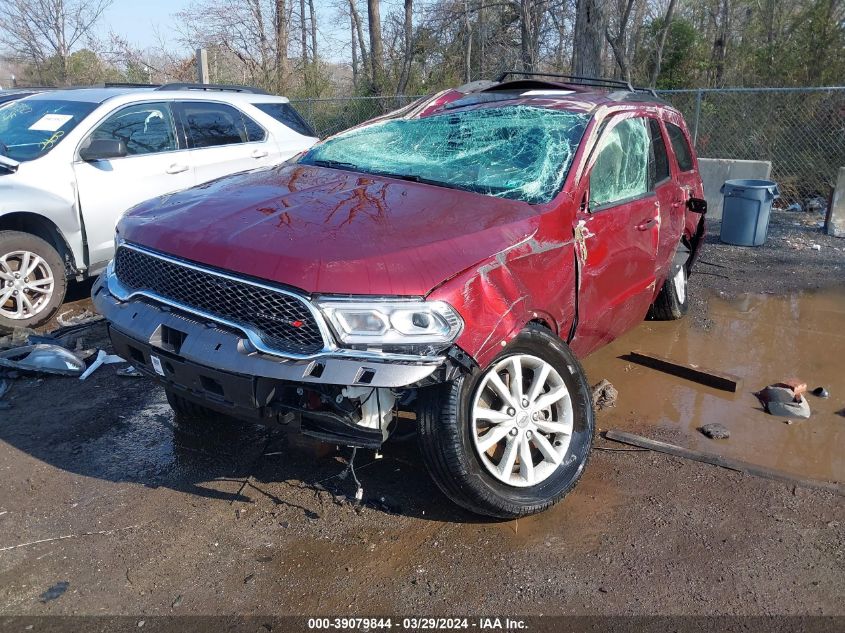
(392, 322)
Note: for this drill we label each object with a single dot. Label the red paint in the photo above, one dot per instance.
(500, 263)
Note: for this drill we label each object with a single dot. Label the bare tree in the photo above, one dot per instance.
(589, 38)
(376, 46)
(407, 46)
(280, 27)
(41, 30)
(661, 43)
(618, 43)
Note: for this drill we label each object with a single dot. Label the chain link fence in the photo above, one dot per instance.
(800, 130)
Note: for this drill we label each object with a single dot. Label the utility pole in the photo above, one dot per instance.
(202, 66)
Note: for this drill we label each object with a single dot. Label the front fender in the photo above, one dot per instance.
(531, 281)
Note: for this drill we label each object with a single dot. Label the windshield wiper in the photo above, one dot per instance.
(335, 164)
(423, 180)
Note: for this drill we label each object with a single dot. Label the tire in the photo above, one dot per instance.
(449, 438)
(673, 301)
(16, 250)
(187, 412)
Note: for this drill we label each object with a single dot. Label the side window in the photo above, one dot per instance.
(622, 164)
(254, 132)
(213, 124)
(285, 113)
(658, 168)
(145, 128)
(680, 146)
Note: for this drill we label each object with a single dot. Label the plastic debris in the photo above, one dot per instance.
(715, 431)
(76, 319)
(19, 336)
(56, 591)
(47, 359)
(131, 372)
(817, 247)
(782, 400)
(821, 392)
(102, 359)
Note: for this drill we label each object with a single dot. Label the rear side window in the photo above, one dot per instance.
(658, 169)
(680, 146)
(284, 113)
(145, 128)
(214, 124)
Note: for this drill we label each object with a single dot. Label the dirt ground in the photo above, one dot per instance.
(140, 517)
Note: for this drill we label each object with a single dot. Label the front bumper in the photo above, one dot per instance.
(207, 343)
(216, 366)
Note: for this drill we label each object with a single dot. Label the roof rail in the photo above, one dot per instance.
(122, 84)
(226, 87)
(599, 82)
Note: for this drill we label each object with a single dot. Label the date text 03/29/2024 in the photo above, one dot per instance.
(418, 624)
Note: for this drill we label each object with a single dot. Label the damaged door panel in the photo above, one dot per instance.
(617, 236)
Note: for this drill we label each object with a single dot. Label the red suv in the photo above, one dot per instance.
(447, 264)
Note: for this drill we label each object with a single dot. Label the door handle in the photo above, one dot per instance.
(646, 224)
(259, 153)
(176, 168)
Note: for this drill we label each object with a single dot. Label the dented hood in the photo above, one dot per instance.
(330, 231)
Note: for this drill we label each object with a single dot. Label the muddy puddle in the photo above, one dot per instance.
(760, 338)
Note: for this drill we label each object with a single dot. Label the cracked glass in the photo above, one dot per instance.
(517, 152)
(622, 165)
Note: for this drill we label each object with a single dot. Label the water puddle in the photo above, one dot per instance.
(760, 338)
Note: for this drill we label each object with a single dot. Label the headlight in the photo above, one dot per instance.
(392, 322)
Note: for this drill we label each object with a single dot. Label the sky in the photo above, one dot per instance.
(138, 20)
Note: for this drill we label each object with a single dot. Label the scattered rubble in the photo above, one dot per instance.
(604, 395)
(715, 431)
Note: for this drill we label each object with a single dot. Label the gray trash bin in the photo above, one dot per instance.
(746, 209)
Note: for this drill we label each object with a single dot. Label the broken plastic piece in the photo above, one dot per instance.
(47, 359)
(102, 359)
(132, 372)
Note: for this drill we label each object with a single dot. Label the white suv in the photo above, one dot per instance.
(73, 161)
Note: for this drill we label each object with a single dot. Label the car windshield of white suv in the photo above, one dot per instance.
(31, 128)
(517, 152)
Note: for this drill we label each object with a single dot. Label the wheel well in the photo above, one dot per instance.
(40, 227)
(542, 323)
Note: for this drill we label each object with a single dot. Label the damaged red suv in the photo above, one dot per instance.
(447, 264)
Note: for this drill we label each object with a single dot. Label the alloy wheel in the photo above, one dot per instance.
(522, 420)
(26, 285)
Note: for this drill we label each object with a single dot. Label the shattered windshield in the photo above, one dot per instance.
(518, 152)
(30, 128)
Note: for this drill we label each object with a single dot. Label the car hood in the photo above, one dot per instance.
(331, 231)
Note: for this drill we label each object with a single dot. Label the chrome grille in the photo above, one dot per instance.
(283, 322)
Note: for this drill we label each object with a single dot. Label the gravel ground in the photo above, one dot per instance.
(155, 519)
